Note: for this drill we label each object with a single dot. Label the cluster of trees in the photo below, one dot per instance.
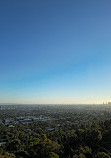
(92, 142)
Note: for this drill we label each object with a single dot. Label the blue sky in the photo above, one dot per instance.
(55, 51)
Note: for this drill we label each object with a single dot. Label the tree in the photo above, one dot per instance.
(101, 155)
(53, 155)
(93, 137)
(79, 156)
(14, 145)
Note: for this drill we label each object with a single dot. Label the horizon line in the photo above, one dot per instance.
(106, 103)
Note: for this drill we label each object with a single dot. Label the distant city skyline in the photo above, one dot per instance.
(55, 52)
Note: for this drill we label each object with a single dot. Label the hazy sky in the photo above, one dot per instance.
(55, 51)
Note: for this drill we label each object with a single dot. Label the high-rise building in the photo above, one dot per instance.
(109, 103)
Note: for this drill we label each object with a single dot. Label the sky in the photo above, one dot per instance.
(55, 51)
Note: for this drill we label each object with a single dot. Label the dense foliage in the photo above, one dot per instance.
(33, 140)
